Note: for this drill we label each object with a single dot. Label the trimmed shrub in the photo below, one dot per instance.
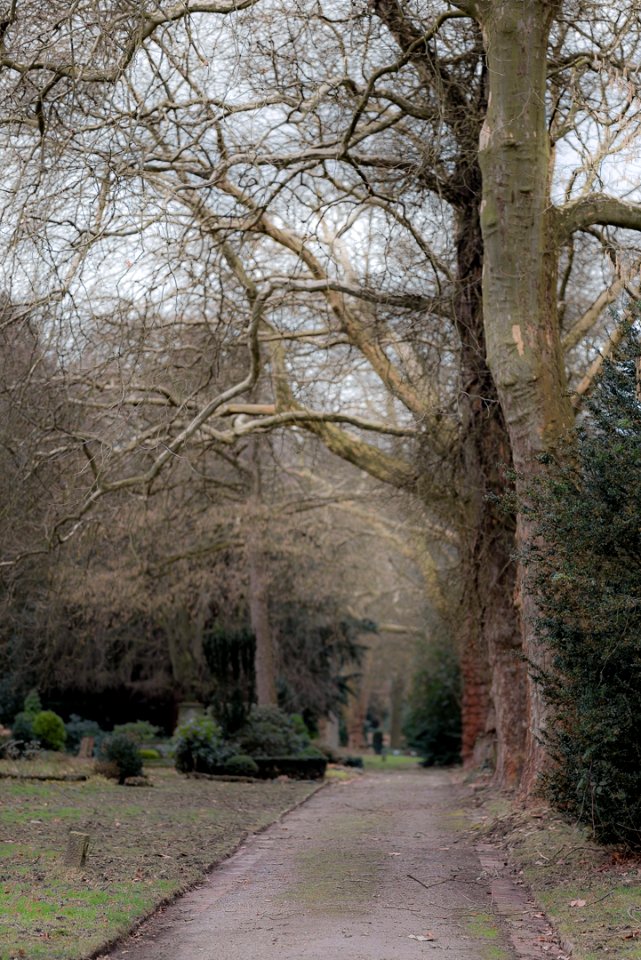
(49, 729)
(119, 754)
(149, 753)
(139, 730)
(199, 746)
(241, 765)
(352, 761)
(269, 732)
(297, 768)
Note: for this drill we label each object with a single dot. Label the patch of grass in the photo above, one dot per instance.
(561, 864)
(390, 762)
(142, 851)
(483, 926)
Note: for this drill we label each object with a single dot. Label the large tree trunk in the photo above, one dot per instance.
(520, 270)
(492, 668)
(258, 578)
(264, 665)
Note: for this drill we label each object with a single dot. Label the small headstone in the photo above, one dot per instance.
(85, 750)
(77, 847)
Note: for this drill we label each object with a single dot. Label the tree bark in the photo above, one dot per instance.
(520, 272)
(493, 672)
(397, 692)
(258, 579)
(264, 665)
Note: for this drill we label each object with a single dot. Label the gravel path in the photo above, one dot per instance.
(356, 873)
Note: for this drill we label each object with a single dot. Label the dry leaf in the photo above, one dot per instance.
(578, 903)
(421, 937)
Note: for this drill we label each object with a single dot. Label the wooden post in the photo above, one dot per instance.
(77, 847)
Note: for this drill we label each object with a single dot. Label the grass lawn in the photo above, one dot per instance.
(591, 893)
(390, 762)
(147, 844)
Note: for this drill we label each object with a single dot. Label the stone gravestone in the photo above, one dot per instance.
(85, 750)
(77, 847)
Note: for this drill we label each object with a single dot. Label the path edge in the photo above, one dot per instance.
(102, 952)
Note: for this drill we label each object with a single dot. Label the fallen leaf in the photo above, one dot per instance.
(421, 937)
(393, 854)
(578, 903)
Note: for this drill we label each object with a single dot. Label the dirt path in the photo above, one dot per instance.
(338, 879)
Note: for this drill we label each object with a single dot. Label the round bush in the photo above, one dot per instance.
(269, 732)
(121, 752)
(199, 746)
(241, 765)
(49, 729)
(149, 753)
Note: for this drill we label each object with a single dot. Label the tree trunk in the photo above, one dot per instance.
(493, 672)
(397, 692)
(264, 666)
(258, 577)
(520, 270)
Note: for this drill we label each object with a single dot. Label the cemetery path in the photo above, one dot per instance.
(379, 868)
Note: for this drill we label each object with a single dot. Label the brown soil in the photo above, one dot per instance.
(381, 868)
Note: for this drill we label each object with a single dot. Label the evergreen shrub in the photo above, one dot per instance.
(49, 729)
(432, 725)
(199, 746)
(270, 732)
(586, 568)
(119, 758)
(138, 730)
(241, 765)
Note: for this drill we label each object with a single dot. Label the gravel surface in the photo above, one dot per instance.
(380, 868)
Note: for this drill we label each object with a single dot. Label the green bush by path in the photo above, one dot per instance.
(587, 572)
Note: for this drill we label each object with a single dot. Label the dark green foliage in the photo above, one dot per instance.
(49, 730)
(587, 571)
(230, 658)
(321, 653)
(433, 722)
(32, 703)
(10, 698)
(77, 728)
(22, 731)
(139, 730)
(377, 742)
(352, 761)
(241, 765)
(312, 752)
(269, 732)
(120, 751)
(199, 746)
(296, 768)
